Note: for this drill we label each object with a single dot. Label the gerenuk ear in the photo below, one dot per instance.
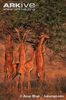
(44, 35)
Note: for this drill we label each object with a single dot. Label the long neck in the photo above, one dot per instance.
(41, 41)
(33, 55)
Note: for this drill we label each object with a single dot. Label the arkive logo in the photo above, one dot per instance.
(19, 6)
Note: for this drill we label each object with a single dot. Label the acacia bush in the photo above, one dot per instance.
(50, 15)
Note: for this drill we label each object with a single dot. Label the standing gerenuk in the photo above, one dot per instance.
(22, 70)
(40, 63)
(8, 67)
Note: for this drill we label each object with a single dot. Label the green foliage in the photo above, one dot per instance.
(49, 15)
